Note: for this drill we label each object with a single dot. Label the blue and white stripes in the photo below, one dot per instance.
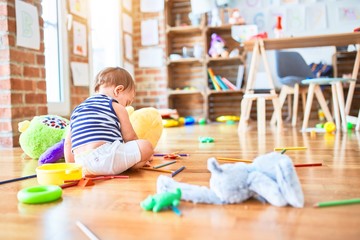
(94, 120)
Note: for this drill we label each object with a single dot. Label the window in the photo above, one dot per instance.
(105, 35)
(56, 57)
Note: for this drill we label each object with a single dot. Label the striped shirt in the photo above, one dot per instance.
(94, 120)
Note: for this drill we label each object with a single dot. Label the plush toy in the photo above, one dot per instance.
(159, 201)
(236, 18)
(269, 178)
(217, 46)
(41, 133)
(43, 137)
(147, 123)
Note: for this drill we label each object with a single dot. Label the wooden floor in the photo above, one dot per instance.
(111, 208)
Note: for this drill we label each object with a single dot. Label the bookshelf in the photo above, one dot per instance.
(190, 90)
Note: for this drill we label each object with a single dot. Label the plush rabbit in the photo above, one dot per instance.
(270, 178)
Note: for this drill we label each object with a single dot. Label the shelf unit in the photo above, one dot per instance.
(189, 87)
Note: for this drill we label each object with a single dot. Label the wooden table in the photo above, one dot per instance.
(259, 47)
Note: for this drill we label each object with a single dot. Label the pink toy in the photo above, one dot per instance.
(217, 46)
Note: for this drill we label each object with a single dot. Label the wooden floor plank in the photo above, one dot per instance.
(110, 209)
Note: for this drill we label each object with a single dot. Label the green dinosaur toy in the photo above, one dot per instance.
(162, 200)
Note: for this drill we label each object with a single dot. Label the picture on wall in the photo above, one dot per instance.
(79, 39)
(27, 25)
(78, 7)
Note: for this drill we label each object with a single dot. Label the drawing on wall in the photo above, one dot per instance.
(349, 14)
(253, 3)
(149, 32)
(128, 46)
(80, 73)
(259, 21)
(78, 7)
(316, 17)
(27, 25)
(295, 19)
(79, 39)
(150, 57)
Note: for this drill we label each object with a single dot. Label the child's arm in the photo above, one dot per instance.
(127, 130)
(69, 156)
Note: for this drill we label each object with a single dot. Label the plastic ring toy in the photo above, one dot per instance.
(39, 194)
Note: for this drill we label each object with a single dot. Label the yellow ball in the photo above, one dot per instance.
(329, 127)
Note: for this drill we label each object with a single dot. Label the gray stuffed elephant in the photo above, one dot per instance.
(269, 178)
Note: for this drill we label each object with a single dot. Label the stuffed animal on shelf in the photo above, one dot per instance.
(43, 137)
(41, 133)
(269, 178)
(159, 201)
(217, 46)
(236, 18)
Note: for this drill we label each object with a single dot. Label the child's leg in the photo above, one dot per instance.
(146, 151)
(111, 158)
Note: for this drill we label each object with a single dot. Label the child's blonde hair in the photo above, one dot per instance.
(114, 76)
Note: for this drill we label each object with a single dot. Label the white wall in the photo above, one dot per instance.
(302, 18)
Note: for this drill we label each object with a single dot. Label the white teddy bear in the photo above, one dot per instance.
(270, 178)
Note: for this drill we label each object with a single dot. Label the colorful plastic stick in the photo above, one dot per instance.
(156, 170)
(308, 165)
(338, 202)
(290, 148)
(164, 164)
(177, 171)
(233, 159)
(17, 179)
(86, 231)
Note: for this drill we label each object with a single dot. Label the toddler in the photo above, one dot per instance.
(101, 137)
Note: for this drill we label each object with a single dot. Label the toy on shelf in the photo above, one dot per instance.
(160, 201)
(235, 17)
(269, 178)
(217, 46)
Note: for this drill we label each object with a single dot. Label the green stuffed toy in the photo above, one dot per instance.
(159, 201)
(41, 133)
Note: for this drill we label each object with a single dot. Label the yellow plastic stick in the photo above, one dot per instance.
(233, 159)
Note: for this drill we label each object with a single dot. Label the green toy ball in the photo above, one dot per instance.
(41, 133)
(202, 121)
(349, 126)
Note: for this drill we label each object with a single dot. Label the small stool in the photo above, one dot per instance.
(261, 111)
(338, 100)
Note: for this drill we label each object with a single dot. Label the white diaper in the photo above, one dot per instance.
(110, 158)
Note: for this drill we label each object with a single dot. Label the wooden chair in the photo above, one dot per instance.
(250, 95)
(337, 97)
(291, 69)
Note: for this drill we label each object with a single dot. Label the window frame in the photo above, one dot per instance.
(62, 108)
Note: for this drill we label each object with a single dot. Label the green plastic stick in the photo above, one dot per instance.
(338, 202)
